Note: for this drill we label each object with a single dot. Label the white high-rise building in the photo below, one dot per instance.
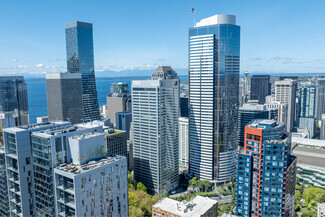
(155, 108)
(214, 59)
(183, 142)
(285, 91)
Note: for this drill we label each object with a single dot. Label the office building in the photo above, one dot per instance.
(51, 148)
(117, 102)
(64, 97)
(322, 129)
(183, 106)
(183, 142)
(7, 119)
(19, 166)
(266, 174)
(4, 200)
(285, 92)
(123, 122)
(116, 142)
(80, 59)
(247, 113)
(214, 59)
(320, 97)
(40, 120)
(198, 206)
(155, 110)
(92, 184)
(13, 97)
(321, 210)
(119, 87)
(310, 164)
(278, 111)
(260, 87)
(306, 108)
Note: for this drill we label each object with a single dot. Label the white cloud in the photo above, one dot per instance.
(39, 65)
(14, 60)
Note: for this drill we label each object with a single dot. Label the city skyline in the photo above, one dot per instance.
(270, 41)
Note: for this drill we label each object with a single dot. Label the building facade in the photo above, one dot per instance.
(7, 119)
(214, 59)
(306, 108)
(183, 142)
(116, 142)
(278, 111)
(183, 106)
(117, 102)
(322, 129)
(119, 87)
(4, 199)
(266, 174)
(80, 59)
(64, 97)
(123, 122)
(155, 107)
(320, 105)
(285, 92)
(13, 97)
(260, 87)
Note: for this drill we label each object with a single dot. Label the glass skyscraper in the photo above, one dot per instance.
(80, 59)
(214, 58)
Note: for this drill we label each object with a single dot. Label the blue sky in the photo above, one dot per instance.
(276, 36)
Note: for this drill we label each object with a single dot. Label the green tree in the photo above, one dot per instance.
(308, 214)
(133, 199)
(166, 194)
(193, 181)
(141, 187)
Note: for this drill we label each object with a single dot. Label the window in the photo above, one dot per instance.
(28, 160)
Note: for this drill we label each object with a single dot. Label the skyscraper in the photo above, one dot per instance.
(155, 107)
(266, 174)
(13, 97)
(80, 59)
(306, 108)
(260, 87)
(320, 105)
(183, 142)
(119, 87)
(117, 102)
(123, 122)
(285, 91)
(64, 97)
(214, 58)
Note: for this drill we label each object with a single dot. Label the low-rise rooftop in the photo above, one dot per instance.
(196, 207)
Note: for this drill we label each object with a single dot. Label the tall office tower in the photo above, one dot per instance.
(4, 201)
(7, 119)
(183, 142)
(260, 87)
(183, 106)
(117, 102)
(246, 87)
(116, 142)
(322, 130)
(213, 93)
(92, 184)
(64, 97)
(19, 166)
(155, 105)
(51, 148)
(13, 97)
(119, 87)
(123, 122)
(80, 59)
(285, 91)
(278, 111)
(247, 113)
(306, 108)
(320, 105)
(266, 174)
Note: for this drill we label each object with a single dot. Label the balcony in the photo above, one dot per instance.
(14, 180)
(15, 201)
(13, 169)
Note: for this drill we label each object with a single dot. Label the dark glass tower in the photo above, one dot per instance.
(80, 59)
(214, 58)
(13, 97)
(260, 87)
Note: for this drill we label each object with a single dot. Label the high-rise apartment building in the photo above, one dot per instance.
(306, 108)
(64, 97)
(93, 184)
(266, 174)
(117, 102)
(320, 97)
(123, 122)
(278, 111)
(260, 87)
(155, 108)
(7, 119)
(285, 91)
(183, 142)
(4, 200)
(80, 59)
(119, 87)
(322, 129)
(13, 97)
(214, 59)
(247, 113)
